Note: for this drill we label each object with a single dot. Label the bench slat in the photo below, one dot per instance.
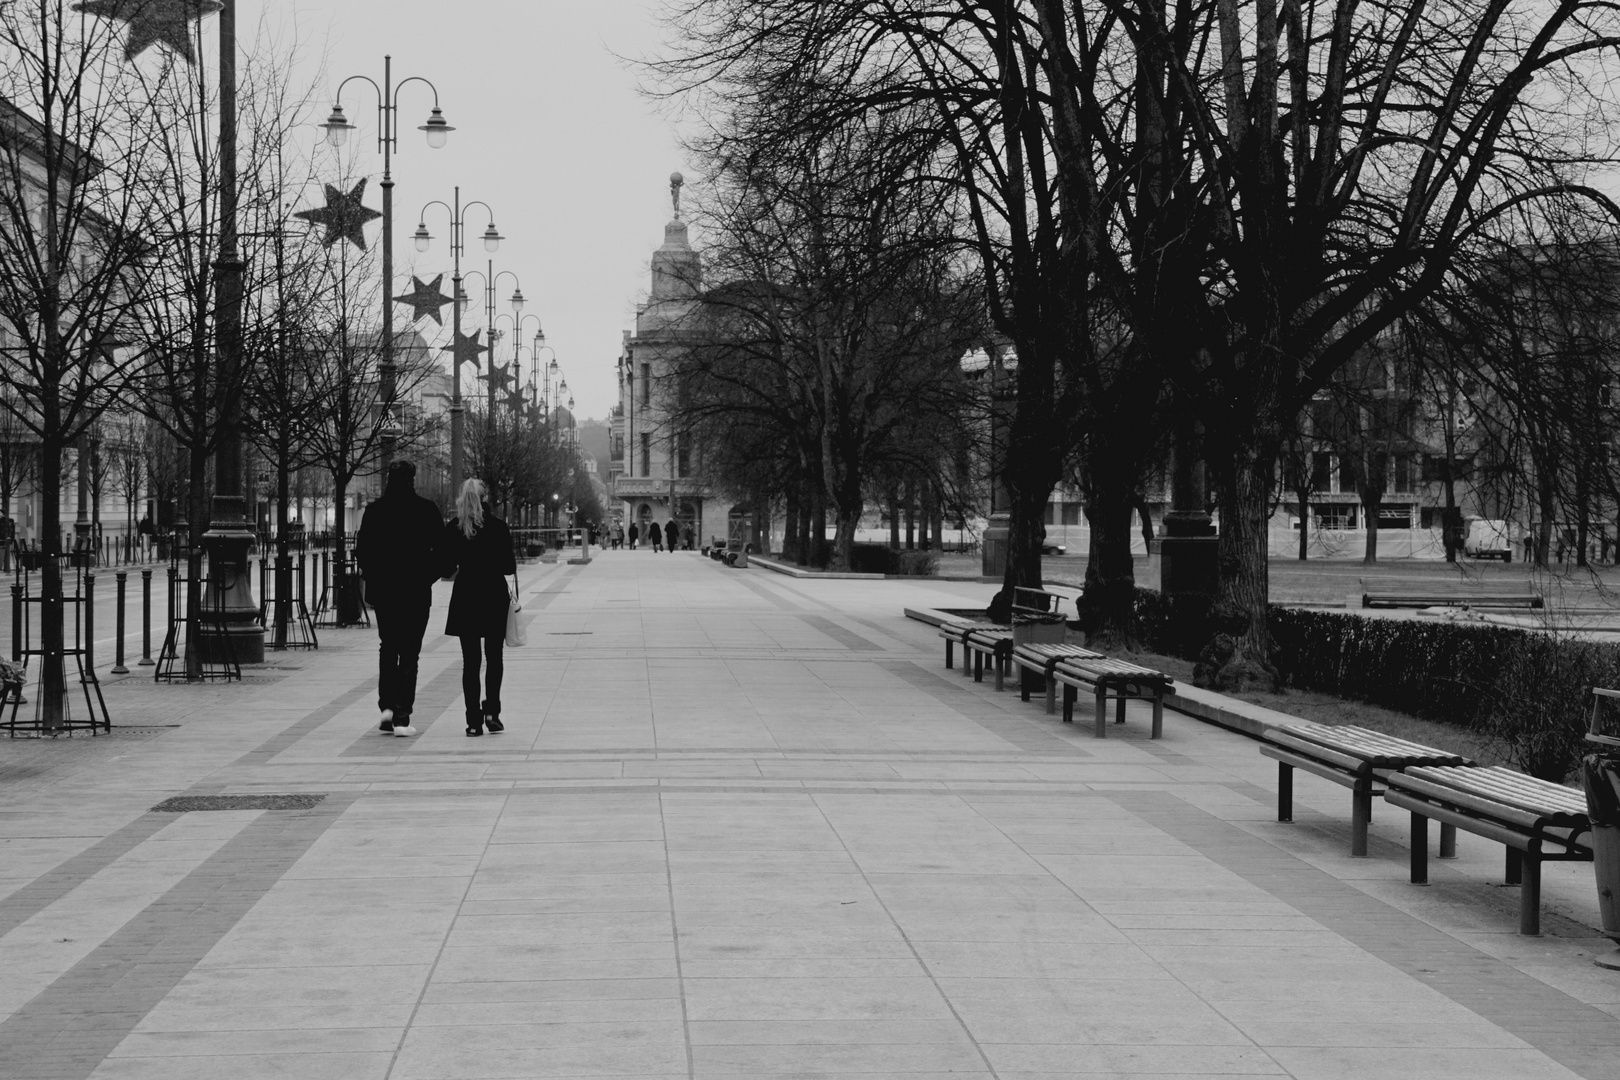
(1373, 747)
(1537, 801)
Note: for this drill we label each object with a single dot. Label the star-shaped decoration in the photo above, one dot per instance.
(154, 22)
(343, 216)
(499, 373)
(515, 400)
(425, 299)
(465, 349)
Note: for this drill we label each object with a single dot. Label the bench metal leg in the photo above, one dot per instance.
(1051, 695)
(1069, 695)
(1360, 817)
(1420, 849)
(978, 665)
(1102, 714)
(1119, 709)
(1001, 672)
(1285, 791)
(1530, 896)
(1448, 840)
(1023, 683)
(949, 649)
(1513, 873)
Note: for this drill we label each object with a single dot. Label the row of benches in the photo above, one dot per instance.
(1536, 821)
(1052, 664)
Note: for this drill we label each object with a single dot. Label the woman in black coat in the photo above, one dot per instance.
(481, 547)
(655, 535)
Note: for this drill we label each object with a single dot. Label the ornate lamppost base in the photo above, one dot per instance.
(230, 624)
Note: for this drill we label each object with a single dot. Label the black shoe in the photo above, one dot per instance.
(492, 718)
(387, 720)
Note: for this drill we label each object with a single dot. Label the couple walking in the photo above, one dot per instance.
(404, 546)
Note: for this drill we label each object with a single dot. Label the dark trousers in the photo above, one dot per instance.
(492, 678)
(399, 630)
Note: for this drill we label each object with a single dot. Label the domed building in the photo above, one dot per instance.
(651, 475)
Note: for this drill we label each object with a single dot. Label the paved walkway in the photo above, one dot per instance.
(738, 826)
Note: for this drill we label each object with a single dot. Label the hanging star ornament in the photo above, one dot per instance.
(515, 400)
(499, 373)
(343, 216)
(154, 22)
(465, 349)
(425, 299)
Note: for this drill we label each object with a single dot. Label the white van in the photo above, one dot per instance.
(1488, 539)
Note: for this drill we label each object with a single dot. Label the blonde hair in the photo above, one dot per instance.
(470, 507)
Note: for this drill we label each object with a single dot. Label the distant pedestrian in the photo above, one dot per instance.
(401, 550)
(672, 533)
(481, 549)
(618, 535)
(633, 536)
(655, 536)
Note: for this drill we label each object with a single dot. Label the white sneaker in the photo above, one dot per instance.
(387, 724)
(402, 730)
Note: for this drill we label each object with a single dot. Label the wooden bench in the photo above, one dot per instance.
(1348, 756)
(1444, 592)
(991, 647)
(1513, 809)
(1107, 678)
(1040, 660)
(955, 633)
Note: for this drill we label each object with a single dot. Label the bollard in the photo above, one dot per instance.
(146, 619)
(16, 623)
(118, 667)
(88, 672)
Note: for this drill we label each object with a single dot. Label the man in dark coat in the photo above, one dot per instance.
(401, 548)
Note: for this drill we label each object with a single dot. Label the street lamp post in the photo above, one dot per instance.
(490, 279)
(337, 133)
(461, 349)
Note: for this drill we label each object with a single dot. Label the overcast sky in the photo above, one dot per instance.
(550, 131)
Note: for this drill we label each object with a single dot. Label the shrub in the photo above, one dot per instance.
(917, 564)
(873, 559)
(1529, 689)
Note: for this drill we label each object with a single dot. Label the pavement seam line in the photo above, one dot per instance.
(675, 940)
(1038, 861)
(444, 943)
(911, 946)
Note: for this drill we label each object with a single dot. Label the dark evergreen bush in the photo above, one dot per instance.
(1529, 689)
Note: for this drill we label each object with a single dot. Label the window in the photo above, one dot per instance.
(1403, 472)
(1336, 517)
(1321, 471)
(618, 448)
(1395, 517)
(646, 384)
(1347, 475)
(646, 454)
(1049, 518)
(1071, 513)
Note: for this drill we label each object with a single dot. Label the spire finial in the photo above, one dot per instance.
(675, 182)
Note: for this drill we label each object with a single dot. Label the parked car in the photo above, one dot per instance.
(1049, 547)
(1489, 539)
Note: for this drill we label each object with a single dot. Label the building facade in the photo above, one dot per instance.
(651, 475)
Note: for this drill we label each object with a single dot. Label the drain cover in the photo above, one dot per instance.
(183, 803)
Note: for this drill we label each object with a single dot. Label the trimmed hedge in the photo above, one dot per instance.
(882, 559)
(1530, 689)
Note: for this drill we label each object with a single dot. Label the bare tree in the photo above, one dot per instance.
(76, 248)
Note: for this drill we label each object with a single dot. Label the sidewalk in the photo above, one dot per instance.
(739, 825)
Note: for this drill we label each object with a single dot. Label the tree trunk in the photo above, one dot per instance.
(1107, 608)
(911, 516)
(894, 517)
(1304, 494)
(1370, 503)
(791, 550)
(52, 629)
(197, 525)
(1239, 655)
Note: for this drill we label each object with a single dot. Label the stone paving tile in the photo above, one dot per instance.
(741, 826)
